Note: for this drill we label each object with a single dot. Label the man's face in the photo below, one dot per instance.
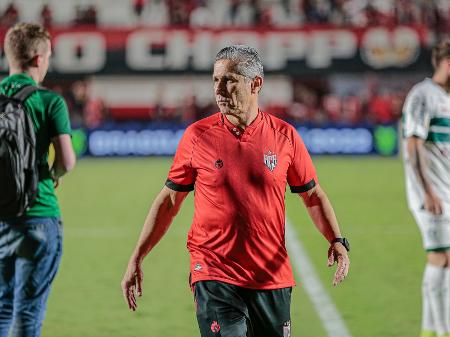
(44, 60)
(232, 91)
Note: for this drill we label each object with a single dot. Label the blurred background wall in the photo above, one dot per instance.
(136, 72)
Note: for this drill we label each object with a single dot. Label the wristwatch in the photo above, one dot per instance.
(343, 241)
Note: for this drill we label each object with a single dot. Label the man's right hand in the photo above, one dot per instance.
(132, 284)
(433, 203)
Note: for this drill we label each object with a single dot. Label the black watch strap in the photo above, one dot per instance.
(343, 241)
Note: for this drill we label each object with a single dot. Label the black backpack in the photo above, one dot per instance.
(19, 174)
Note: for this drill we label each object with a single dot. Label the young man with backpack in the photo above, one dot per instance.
(30, 225)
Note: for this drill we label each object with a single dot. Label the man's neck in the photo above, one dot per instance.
(443, 80)
(29, 72)
(245, 119)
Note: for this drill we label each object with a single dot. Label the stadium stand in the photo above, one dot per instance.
(434, 14)
(304, 99)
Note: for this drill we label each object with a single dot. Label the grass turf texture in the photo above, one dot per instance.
(104, 203)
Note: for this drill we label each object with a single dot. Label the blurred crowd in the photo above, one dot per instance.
(316, 105)
(85, 109)
(83, 15)
(313, 104)
(434, 14)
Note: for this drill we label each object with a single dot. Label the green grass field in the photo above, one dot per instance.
(104, 203)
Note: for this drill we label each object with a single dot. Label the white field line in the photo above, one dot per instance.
(325, 308)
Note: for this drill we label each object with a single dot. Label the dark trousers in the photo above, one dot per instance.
(225, 310)
(30, 252)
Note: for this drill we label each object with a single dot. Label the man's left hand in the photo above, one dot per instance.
(132, 283)
(338, 253)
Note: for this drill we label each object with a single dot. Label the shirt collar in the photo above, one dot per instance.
(236, 130)
(22, 77)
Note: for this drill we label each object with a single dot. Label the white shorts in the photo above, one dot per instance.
(435, 229)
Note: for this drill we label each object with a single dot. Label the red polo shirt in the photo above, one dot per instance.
(240, 176)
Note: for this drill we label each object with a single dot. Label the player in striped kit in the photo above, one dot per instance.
(426, 126)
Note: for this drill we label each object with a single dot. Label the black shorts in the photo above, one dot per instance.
(225, 310)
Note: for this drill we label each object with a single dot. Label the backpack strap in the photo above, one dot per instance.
(24, 92)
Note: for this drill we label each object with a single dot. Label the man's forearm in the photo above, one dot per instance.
(158, 220)
(322, 213)
(64, 156)
(419, 162)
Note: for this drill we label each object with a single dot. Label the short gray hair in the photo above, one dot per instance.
(247, 59)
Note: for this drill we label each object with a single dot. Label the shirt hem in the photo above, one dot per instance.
(38, 214)
(248, 285)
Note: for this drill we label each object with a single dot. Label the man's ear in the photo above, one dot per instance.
(257, 83)
(35, 61)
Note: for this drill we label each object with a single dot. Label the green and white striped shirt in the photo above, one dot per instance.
(426, 114)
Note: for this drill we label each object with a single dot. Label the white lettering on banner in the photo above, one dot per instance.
(324, 46)
(174, 53)
(203, 51)
(158, 49)
(282, 46)
(79, 52)
(317, 48)
(343, 43)
(138, 55)
(319, 53)
(381, 48)
(178, 51)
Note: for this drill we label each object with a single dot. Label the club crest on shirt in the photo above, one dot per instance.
(270, 159)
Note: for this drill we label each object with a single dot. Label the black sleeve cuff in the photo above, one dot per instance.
(179, 188)
(303, 188)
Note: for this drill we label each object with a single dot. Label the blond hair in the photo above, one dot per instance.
(23, 42)
(440, 52)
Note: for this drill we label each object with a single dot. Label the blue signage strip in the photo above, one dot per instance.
(144, 140)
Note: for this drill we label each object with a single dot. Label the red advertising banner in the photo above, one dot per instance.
(86, 50)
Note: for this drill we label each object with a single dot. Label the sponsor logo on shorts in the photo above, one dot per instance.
(287, 329)
(2, 115)
(215, 327)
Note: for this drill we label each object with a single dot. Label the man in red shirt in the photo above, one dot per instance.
(239, 161)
